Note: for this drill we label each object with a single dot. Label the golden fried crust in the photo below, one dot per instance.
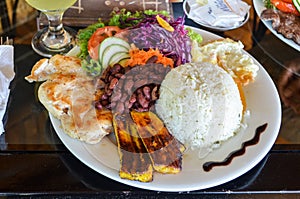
(164, 149)
(229, 55)
(134, 159)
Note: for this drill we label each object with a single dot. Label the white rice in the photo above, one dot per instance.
(200, 105)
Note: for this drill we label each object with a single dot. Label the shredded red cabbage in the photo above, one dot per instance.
(149, 34)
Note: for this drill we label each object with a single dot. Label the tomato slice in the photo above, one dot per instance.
(98, 36)
(285, 7)
(288, 1)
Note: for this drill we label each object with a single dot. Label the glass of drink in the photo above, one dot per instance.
(54, 39)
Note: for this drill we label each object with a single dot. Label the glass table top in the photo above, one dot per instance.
(31, 144)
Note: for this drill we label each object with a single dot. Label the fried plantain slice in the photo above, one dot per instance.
(135, 161)
(164, 149)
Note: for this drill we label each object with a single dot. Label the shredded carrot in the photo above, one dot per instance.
(140, 57)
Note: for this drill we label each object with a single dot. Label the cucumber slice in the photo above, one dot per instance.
(109, 52)
(122, 62)
(297, 4)
(110, 41)
(118, 57)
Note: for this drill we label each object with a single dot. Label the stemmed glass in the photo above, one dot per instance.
(54, 39)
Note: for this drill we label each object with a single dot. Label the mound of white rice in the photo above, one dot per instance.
(200, 104)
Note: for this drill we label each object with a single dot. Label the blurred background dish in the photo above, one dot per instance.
(259, 7)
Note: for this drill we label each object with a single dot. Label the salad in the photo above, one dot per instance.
(128, 36)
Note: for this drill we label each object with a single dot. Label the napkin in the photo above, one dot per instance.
(6, 76)
(220, 13)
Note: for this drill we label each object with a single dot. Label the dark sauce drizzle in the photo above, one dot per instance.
(209, 165)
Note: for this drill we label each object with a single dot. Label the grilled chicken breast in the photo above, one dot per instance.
(66, 93)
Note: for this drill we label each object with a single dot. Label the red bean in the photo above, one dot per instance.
(146, 91)
(113, 83)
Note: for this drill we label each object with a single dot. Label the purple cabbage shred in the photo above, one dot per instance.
(149, 34)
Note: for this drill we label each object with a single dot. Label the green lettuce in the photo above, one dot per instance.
(84, 35)
(124, 18)
(194, 36)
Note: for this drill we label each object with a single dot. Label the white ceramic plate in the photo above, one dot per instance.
(264, 105)
(259, 7)
(186, 10)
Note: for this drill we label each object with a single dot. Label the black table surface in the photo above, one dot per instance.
(34, 162)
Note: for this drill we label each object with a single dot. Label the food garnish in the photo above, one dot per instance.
(268, 4)
(143, 30)
(141, 57)
(194, 36)
(83, 37)
(98, 36)
(164, 24)
(124, 18)
(112, 50)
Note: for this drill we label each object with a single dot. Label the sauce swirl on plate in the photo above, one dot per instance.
(209, 165)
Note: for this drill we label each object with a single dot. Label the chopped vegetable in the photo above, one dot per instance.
(98, 36)
(124, 18)
(92, 67)
(140, 57)
(194, 36)
(175, 45)
(112, 50)
(285, 7)
(163, 23)
(84, 35)
(146, 30)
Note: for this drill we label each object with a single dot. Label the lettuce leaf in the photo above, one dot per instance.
(84, 35)
(194, 36)
(124, 18)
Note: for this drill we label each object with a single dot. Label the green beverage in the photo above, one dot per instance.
(55, 38)
(51, 5)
